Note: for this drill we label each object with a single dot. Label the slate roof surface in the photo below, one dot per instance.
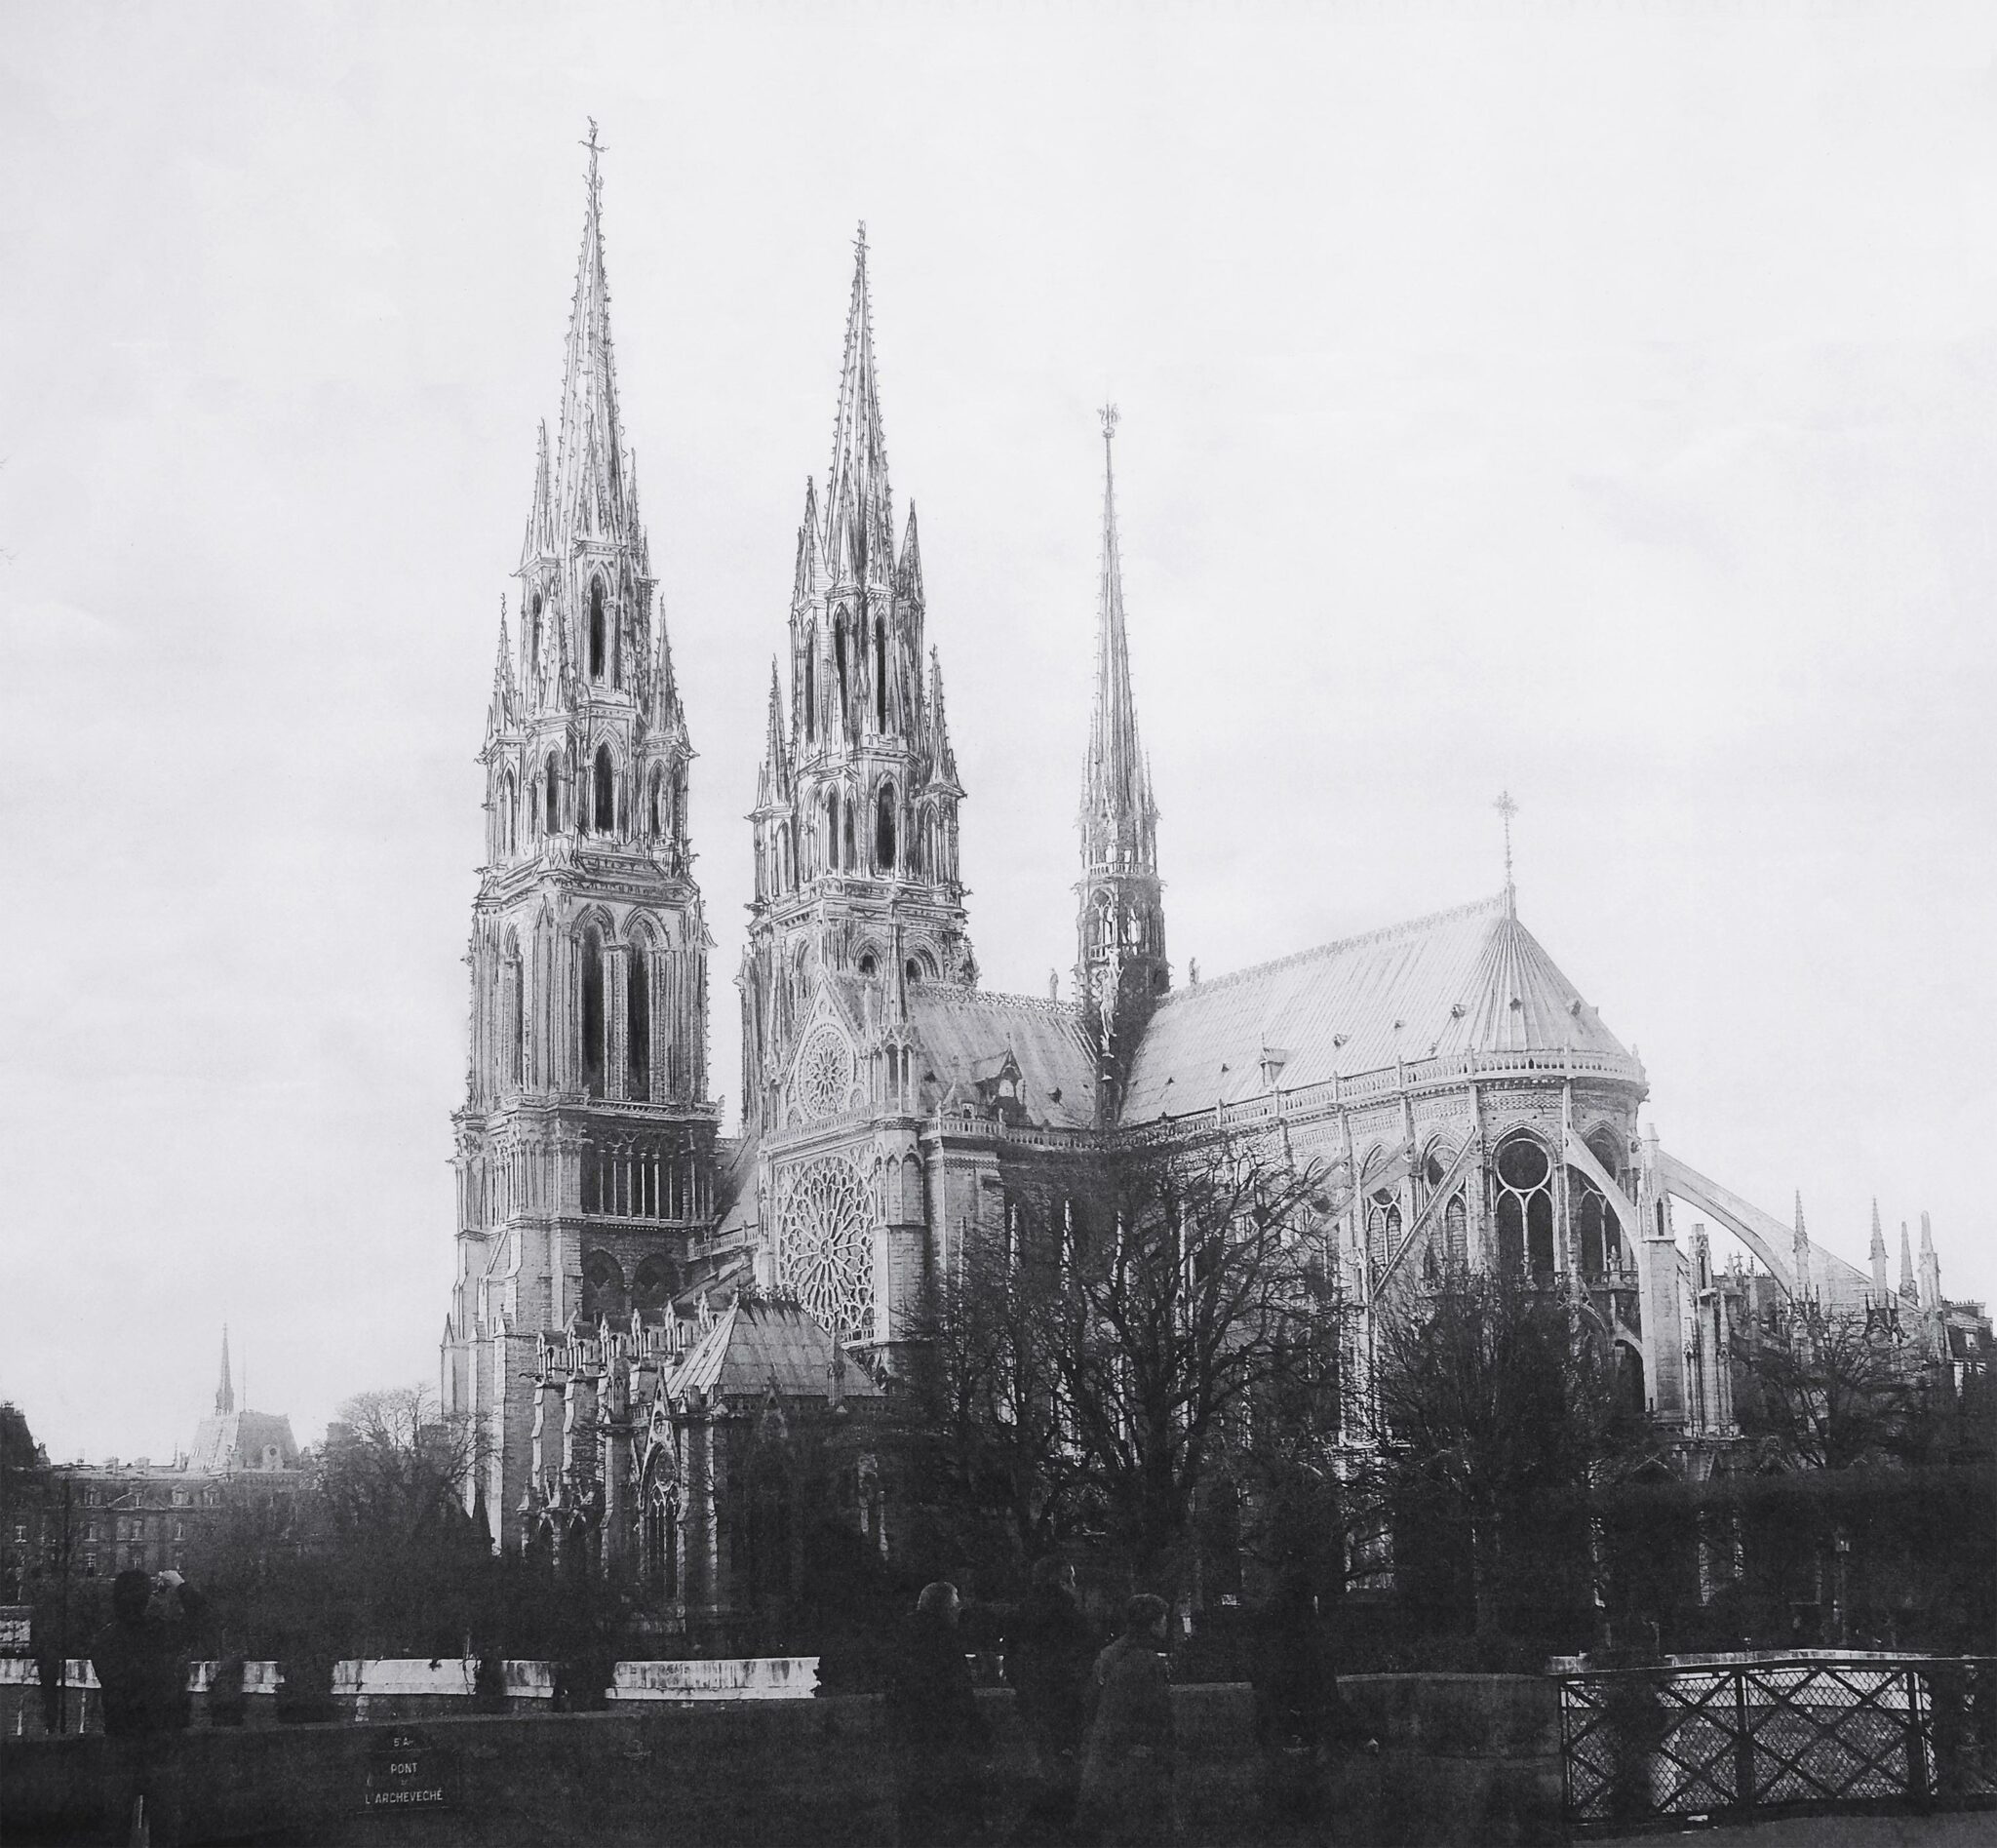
(236, 1440)
(1473, 980)
(967, 1033)
(755, 1342)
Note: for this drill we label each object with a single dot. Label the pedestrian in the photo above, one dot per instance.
(940, 1738)
(1317, 1753)
(1050, 1655)
(142, 1655)
(1127, 1781)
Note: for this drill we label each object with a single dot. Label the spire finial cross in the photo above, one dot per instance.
(1507, 807)
(1110, 415)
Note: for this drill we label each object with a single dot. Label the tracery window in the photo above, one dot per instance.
(1525, 1207)
(603, 1289)
(825, 1246)
(653, 1288)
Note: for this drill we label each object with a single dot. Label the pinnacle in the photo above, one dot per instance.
(1116, 790)
(859, 528)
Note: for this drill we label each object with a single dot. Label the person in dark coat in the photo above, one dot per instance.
(141, 1656)
(1049, 1656)
(1126, 1782)
(1315, 1749)
(940, 1738)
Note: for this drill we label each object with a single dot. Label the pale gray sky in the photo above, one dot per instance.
(1596, 401)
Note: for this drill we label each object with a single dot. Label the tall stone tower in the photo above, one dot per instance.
(585, 1147)
(1120, 969)
(856, 813)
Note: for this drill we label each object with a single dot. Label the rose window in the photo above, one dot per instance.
(825, 1074)
(825, 1246)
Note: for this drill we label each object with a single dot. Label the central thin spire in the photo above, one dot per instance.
(859, 521)
(225, 1392)
(1116, 788)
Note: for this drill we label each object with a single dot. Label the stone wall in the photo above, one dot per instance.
(1464, 1761)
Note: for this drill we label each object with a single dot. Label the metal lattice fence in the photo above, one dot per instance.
(1644, 1747)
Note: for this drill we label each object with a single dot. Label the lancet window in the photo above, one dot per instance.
(596, 628)
(637, 1023)
(591, 1013)
(883, 829)
(604, 792)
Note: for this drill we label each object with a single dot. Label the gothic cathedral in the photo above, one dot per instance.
(621, 1264)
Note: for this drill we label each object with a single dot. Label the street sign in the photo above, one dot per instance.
(406, 1771)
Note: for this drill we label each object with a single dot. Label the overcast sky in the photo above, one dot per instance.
(1598, 403)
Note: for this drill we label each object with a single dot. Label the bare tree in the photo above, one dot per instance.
(1098, 1369)
(1497, 1401)
(1832, 1390)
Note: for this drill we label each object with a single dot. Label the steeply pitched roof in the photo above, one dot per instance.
(756, 1343)
(1468, 980)
(966, 1031)
(230, 1442)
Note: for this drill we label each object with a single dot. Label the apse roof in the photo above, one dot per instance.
(1470, 980)
(967, 1034)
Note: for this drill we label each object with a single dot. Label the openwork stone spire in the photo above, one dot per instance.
(593, 496)
(859, 518)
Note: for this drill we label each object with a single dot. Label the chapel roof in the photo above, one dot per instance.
(967, 1033)
(757, 1342)
(1473, 980)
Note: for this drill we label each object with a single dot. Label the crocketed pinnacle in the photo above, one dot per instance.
(500, 715)
(943, 763)
(859, 521)
(541, 519)
(225, 1392)
(773, 785)
(1117, 815)
(592, 496)
(1907, 1285)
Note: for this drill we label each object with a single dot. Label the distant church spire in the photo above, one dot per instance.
(1907, 1286)
(1507, 807)
(1877, 1256)
(225, 1392)
(1120, 966)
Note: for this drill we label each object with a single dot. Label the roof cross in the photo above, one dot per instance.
(1507, 807)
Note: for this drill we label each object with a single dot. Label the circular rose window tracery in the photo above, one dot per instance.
(825, 1249)
(825, 1074)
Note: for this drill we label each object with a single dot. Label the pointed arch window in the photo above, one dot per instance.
(839, 656)
(883, 829)
(603, 1289)
(597, 648)
(507, 820)
(656, 817)
(534, 650)
(879, 675)
(637, 1022)
(849, 859)
(832, 830)
(551, 789)
(603, 792)
(591, 1022)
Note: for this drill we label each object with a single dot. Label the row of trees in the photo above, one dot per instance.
(1157, 1373)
